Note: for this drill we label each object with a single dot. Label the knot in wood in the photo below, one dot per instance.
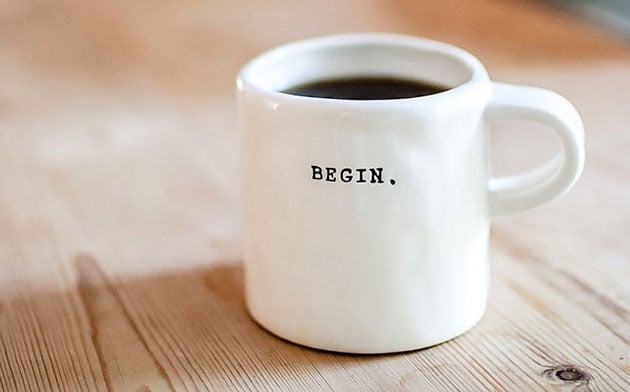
(566, 374)
(569, 374)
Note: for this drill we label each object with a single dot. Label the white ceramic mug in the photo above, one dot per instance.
(398, 261)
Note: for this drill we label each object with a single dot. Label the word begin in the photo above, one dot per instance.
(371, 175)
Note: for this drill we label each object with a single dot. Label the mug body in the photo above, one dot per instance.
(365, 222)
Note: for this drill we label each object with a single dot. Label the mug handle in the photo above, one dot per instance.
(511, 194)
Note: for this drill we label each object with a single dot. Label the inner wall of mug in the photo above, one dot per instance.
(298, 64)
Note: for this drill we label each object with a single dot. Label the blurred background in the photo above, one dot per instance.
(194, 48)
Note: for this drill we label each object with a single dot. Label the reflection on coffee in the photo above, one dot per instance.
(366, 88)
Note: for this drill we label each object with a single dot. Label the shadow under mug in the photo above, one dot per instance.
(398, 261)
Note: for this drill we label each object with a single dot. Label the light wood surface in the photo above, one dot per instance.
(120, 258)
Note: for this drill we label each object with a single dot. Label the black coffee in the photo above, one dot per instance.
(366, 88)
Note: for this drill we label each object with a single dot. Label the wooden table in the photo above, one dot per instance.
(120, 258)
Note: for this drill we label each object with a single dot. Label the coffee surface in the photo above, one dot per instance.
(366, 88)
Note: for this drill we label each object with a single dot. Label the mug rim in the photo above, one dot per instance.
(478, 73)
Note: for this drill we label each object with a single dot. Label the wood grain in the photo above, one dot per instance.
(120, 257)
